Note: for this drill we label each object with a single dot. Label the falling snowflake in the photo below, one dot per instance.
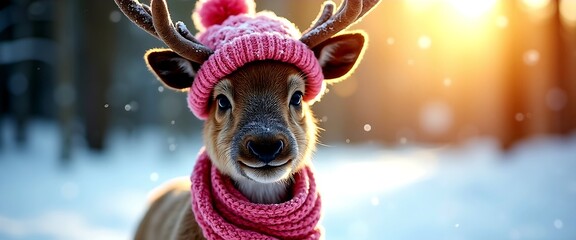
(558, 224)
(436, 117)
(367, 127)
(556, 99)
(531, 57)
(403, 140)
(154, 176)
(519, 117)
(115, 16)
(172, 147)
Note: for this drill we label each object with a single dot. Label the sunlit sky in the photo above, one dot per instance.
(459, 59)
(475, 9)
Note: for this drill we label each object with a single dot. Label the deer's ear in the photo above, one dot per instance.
(174, 71)
(339, 55)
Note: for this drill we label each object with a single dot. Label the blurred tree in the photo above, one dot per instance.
(514, 87)
(564, 98)
(26, 60)
(66, 29)
(97, 50)
(19, 79)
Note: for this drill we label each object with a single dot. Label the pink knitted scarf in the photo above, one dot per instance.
(224, 213)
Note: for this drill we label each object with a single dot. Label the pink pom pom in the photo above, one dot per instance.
(213, 12)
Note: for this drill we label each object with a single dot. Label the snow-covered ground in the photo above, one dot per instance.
(473, 191)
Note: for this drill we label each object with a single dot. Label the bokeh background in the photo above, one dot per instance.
(446, 87)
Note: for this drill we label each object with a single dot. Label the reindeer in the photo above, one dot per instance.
(252, 77)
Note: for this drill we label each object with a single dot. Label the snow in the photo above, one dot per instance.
(471, 191)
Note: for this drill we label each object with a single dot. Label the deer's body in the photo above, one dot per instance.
(261, 108)
(254, 92)
(170, 216)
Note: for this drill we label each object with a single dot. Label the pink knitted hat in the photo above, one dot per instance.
(239, 36)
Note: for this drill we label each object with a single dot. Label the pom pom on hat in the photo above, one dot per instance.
(212, 12)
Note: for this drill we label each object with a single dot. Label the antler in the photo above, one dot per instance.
(327, 25)
(324, 15)
(156, 21)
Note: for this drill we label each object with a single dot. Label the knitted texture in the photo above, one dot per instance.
(243, 38)
(224, 213)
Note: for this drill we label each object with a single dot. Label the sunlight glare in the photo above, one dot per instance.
(502, 21)
(539, 10)
(536, 4)
(472, 8)
(419, 5)
(424, 42)
(568, 12)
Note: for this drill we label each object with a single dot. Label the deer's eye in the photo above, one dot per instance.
(223, 102)
(296, 99)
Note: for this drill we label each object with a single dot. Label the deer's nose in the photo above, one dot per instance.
(265, 150)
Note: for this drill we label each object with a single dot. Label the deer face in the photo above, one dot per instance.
(259, 128)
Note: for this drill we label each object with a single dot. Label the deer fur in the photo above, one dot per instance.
(260, 104)
(259, 131)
